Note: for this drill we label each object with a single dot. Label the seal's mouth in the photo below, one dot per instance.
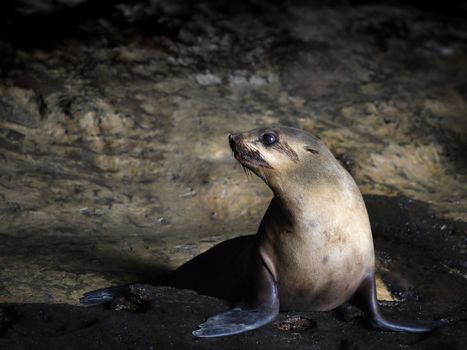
(247, 156)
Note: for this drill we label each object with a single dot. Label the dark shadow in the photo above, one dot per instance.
(219, 272)
(175, 314)
(48, 28)
(422, 256)
(421, 252)
(418, 251)
(80, 255)
(43, 29)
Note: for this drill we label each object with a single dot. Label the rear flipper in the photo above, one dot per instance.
(260, 306)
(105, 295)
(365, 299)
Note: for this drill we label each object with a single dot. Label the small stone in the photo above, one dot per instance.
(296, 324)
(208, 79)
(163, 221)
(90, 212)
(15, 114)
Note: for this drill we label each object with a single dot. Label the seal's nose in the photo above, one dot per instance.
(233, 139)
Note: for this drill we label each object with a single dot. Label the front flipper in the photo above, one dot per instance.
(260, 306)
(365, 299)
(235, 321)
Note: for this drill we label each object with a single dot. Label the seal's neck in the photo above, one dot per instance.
(323, 197)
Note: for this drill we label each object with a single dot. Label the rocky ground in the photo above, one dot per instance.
(173, 314)
(115, 166)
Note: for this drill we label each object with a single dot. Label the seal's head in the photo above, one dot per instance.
(278, 154)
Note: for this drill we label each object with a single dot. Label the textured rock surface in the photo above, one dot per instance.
(114, 116)
(173, 314)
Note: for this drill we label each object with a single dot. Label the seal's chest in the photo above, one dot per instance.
(317, 277)
(316, 289)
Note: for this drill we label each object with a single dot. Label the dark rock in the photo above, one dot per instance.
(13, 113)
(173, 314)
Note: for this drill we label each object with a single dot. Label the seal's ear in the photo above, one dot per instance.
(310, 149)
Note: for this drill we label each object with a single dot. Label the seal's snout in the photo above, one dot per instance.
(233, 142)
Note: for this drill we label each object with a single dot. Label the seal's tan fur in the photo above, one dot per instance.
(315, 237)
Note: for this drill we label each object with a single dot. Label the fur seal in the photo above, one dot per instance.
(313, 250)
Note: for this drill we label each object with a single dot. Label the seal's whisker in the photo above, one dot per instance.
(263, 176)
(247, 171)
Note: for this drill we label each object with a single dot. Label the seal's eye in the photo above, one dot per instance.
(268, 139)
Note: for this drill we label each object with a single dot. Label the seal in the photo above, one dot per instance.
(313, 250)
